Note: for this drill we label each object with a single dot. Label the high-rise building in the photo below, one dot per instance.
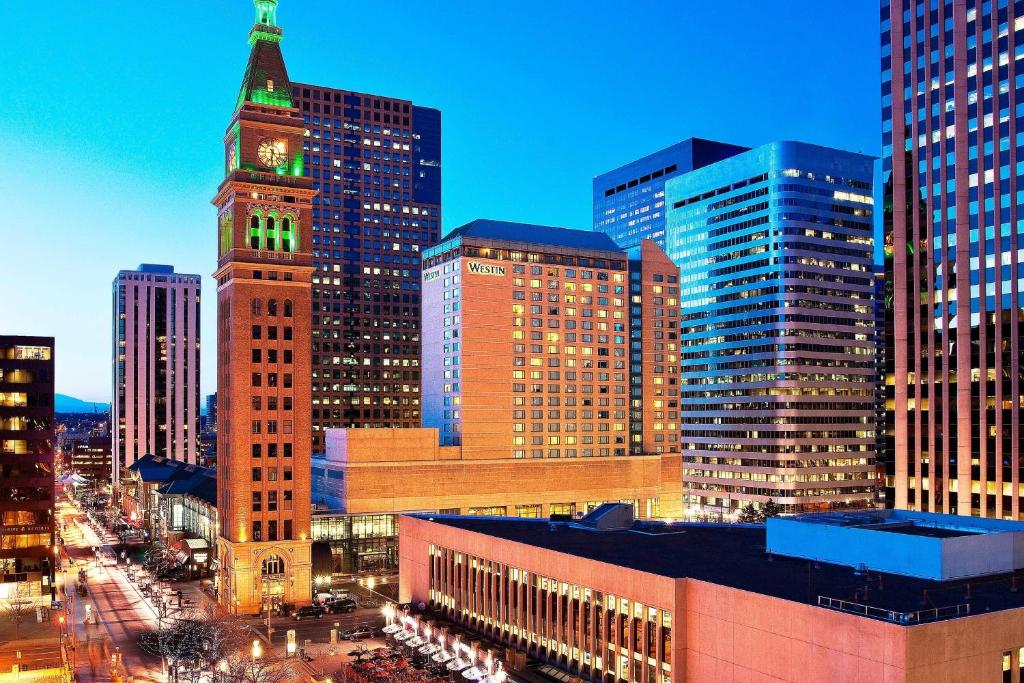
(90, 459)
(629, 201)
(528, 337)
(263, 275)
(777, 325)
(951, 108)
(211, 413)
(27, 466)
(155, 401)
(376, 162)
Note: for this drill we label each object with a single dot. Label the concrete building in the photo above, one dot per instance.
(837, 597)
(951, 112)
(155, 401)
(91, 459)
(629, 201)
(376, 162)
(26, 467)
(777, 328)
(264, 268)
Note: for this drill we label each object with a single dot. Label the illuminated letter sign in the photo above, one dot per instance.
(485, 268)
(431, 275)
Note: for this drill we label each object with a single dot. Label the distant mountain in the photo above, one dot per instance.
(69, 404)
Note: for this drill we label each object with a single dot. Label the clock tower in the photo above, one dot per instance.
(263, 275)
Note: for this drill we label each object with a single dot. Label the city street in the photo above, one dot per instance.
(121, 612)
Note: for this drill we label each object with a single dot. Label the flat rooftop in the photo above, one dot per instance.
(734, 555)
(528, 233)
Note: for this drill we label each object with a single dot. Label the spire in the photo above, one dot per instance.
(266, 77)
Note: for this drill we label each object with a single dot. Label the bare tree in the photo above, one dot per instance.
(189, 645)
(17, 607)
(159, 559)
(242, 668)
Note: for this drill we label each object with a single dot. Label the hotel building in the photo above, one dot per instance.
(376, 162)
(824, 597)
(264, 269)
(629, 201)
(777, 328)
(26, 466)
(550, 384)
(155, 401)
(952, 93)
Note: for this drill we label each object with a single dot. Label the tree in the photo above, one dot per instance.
(243, 668)
(159, 559)
(17, 606)
(749, 515)
(188, 644)
(770, 509)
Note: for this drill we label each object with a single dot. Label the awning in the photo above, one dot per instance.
(182, 557)
(195, 544)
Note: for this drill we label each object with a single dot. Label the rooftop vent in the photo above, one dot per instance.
(610, 517)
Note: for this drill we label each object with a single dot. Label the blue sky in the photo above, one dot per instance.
(114, 113)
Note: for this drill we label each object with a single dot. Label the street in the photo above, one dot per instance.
(123, 613)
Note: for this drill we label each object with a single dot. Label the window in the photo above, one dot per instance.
(257, 533)
(287, 473)
(257, 450)
(256, 356)
(287, 529)
(287, 450)
(272, 530)
(257, 379)
(257, 474)
(256, 330)
(287, 308)
(257, 307)
(271, 474)
(272, 307)
(271, 502)
(257, 502)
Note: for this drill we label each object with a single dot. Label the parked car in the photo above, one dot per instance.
(176, 574)
(308, 612)
(358, 633)
(341, 606)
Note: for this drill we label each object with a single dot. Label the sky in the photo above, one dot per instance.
(114, 113)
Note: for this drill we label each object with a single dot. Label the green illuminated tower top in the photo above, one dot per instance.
(266, 78)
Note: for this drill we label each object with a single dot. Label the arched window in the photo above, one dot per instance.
(272, 566)
(257, 307)
(287, 308)
(287, 241)
(271, 233)
(254, 232)
(272, 307)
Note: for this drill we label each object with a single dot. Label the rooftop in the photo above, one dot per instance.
(534, 234)
(734, 555)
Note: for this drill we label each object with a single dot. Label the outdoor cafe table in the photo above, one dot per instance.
(391, 628)
(403, 636)
(473, 674)
(415, 641)
(457, 665)
(442, 657)
(429, 649)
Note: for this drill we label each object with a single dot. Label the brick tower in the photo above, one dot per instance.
(263, 339)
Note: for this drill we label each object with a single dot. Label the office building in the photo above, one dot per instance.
(91, 458)
(155, 400)
(376, 162)
(836, 597)
(550, 361)
(950, 111)
(629, 201)
(27, 467)
(777, 327)
(264, 268)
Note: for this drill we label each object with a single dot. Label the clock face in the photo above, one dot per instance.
(272, 153)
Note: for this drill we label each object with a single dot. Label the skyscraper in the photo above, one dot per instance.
(263, 274)
(155, 357)
(376, 162)
(26, 465)
(951, 111)
(629, 201)
(777, 326)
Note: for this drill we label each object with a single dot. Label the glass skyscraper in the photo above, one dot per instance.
(778, 389)
(629, 201)
(953, 151)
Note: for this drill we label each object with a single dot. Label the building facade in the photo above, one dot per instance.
(673, 603)
(264, 270)
(778, 393)
(27, 466)
(155, 401)
(91, 459)
(629, 201)
(376, 162)
(951, 98)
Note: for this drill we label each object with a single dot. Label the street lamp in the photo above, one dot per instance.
(257, 649)
(389, 613)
